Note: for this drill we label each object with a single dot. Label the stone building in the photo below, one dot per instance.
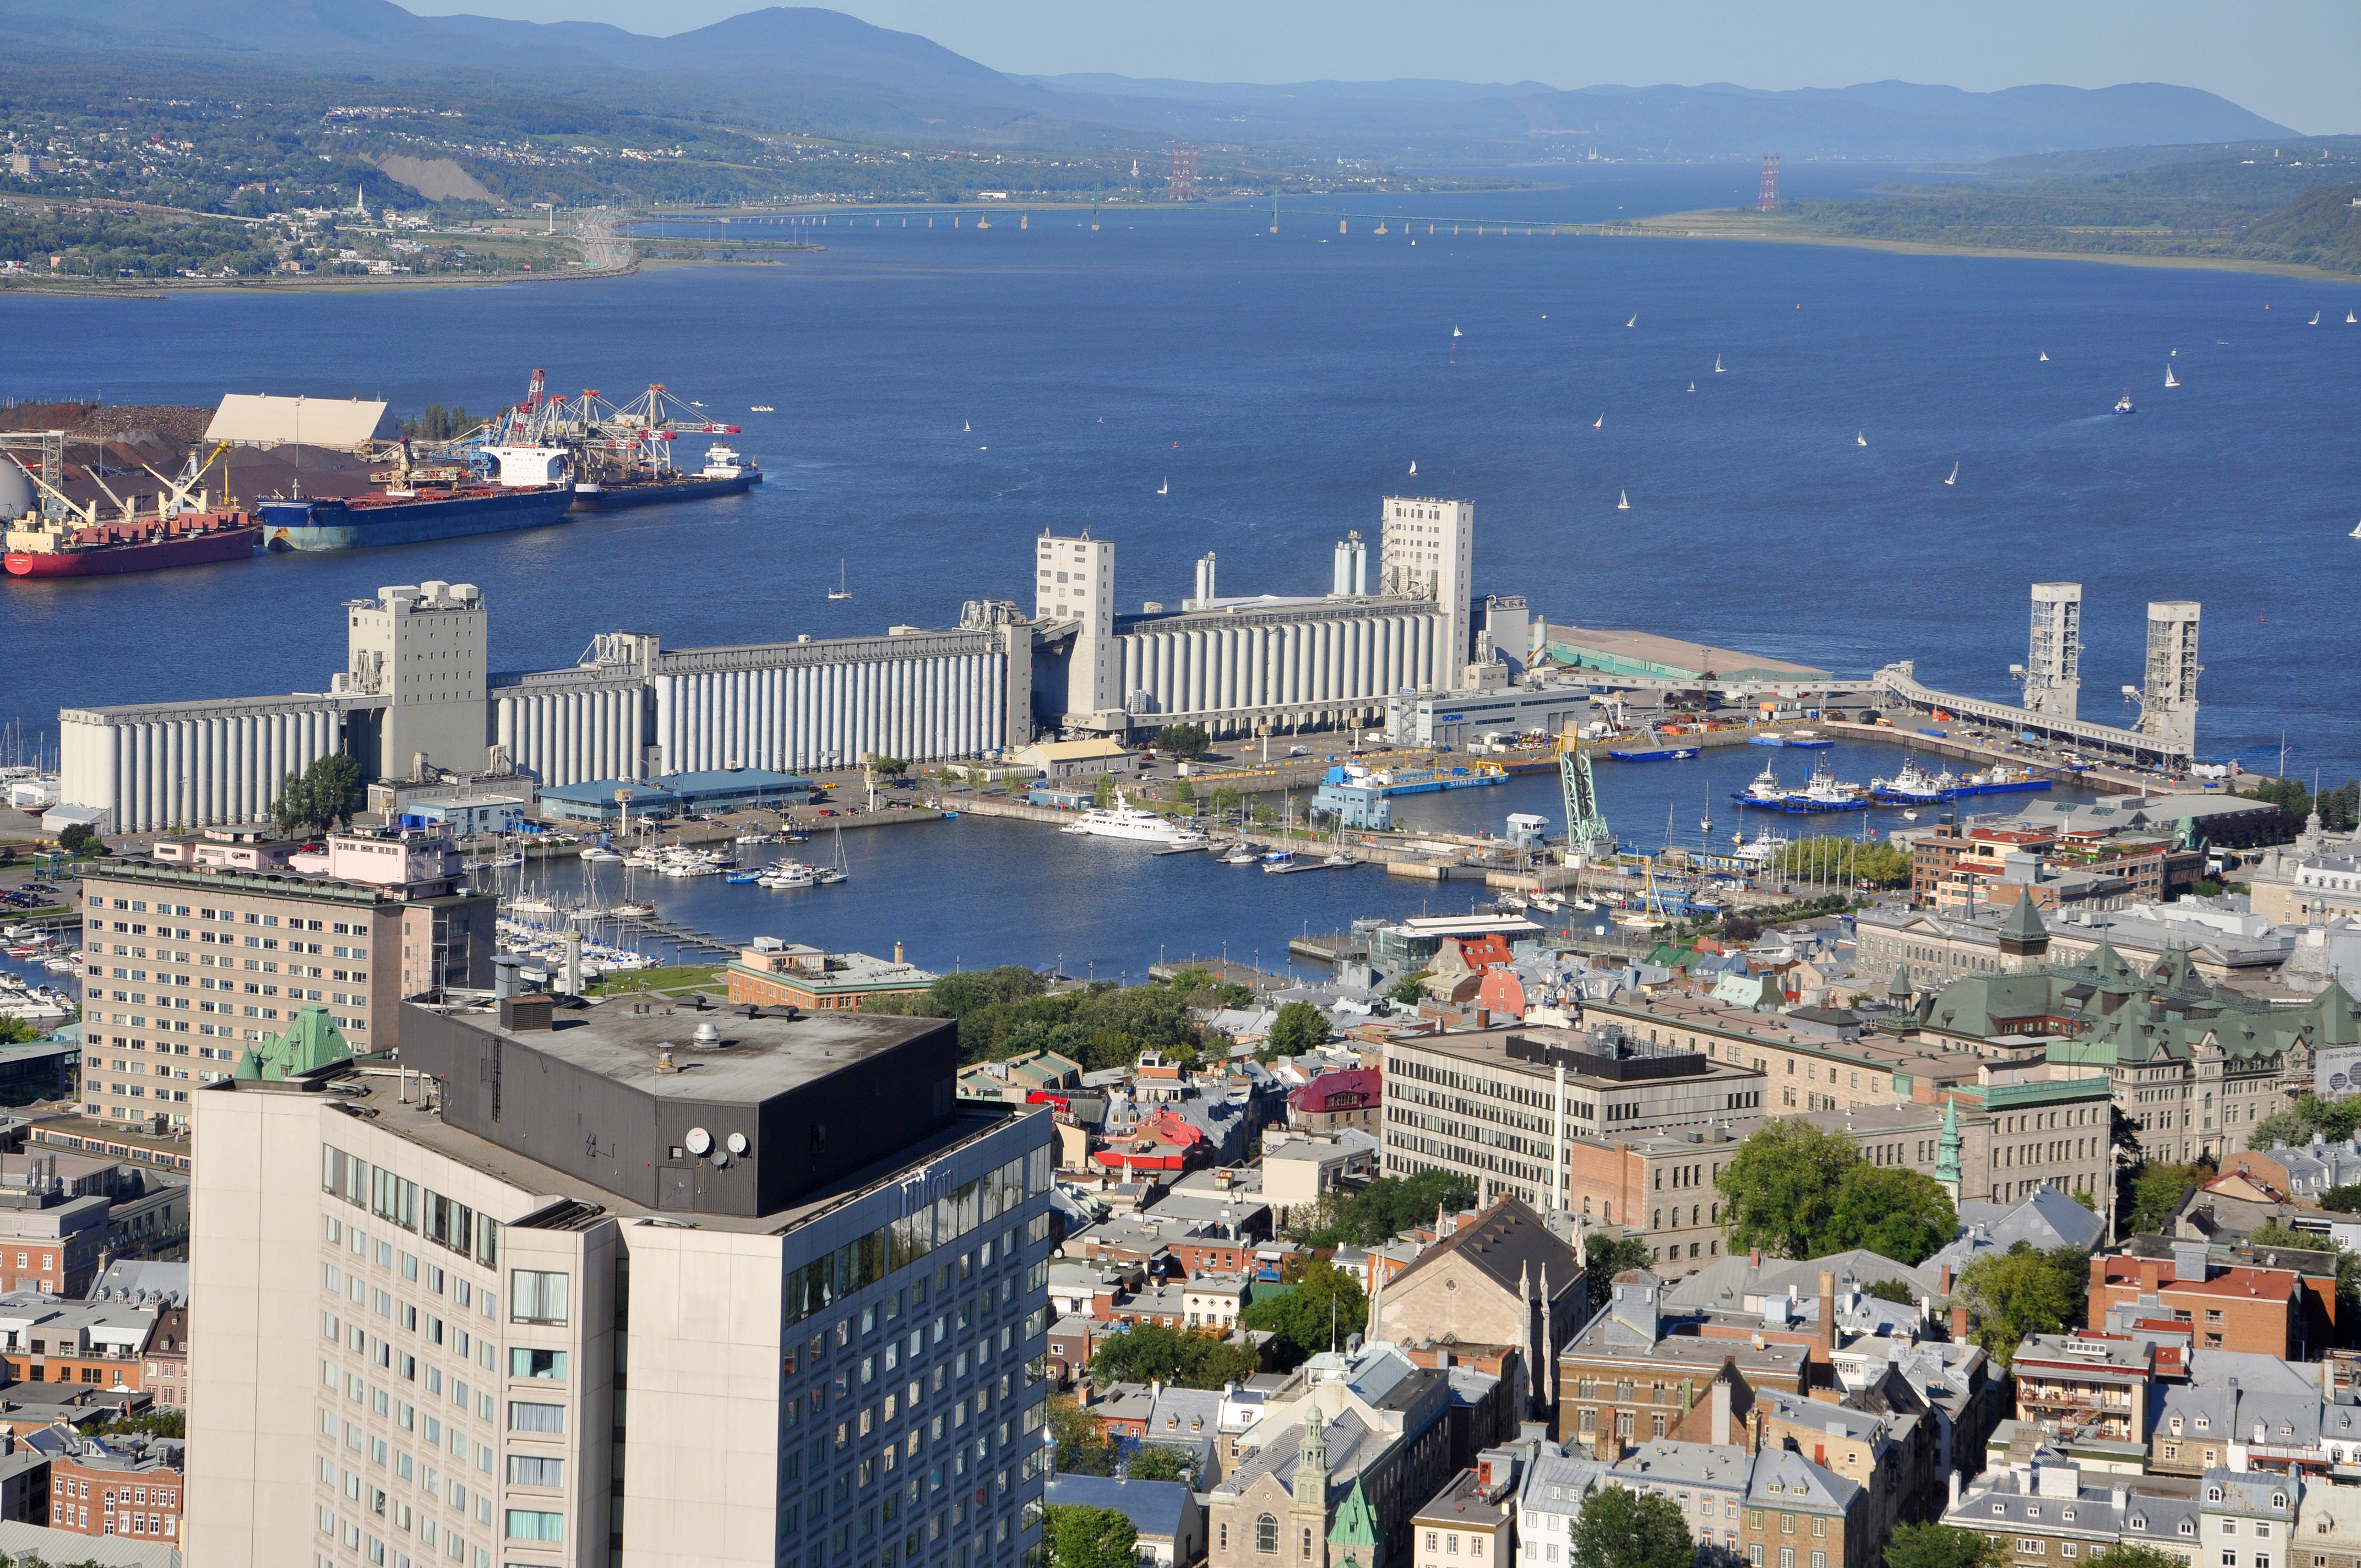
(1504, 1277)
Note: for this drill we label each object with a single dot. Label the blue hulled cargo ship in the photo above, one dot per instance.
(532, 491)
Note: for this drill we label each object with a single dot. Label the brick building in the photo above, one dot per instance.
(100, 1491)
(2262, 1310)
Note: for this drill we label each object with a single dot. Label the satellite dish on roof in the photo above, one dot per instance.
(700, 1142)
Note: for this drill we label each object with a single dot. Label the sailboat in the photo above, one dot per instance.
(2169, 378)
(1602, 419)
(1691, 385)
(2045, 357)
(1166, 487)
(1455, 331)
(2356, 531)
(1858, 439)
(966, 429)
(1634, 321)
(1717, 365)
(1623, 500)
(2349, 318)
(1413, 467)
(826, 876)
(1953, 476)
(841, 591)
(2314, 321)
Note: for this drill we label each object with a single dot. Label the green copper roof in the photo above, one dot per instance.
(312, 1042)
(1356, 1524)
(2024, 922)
(1947, 1150)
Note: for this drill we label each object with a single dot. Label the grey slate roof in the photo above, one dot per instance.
(1156, 1508)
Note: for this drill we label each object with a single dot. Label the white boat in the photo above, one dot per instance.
(598, 852)
(841, 591)
(2356, 531)
(2124, 403)
(789, 876)
(966, 429)
(2314, 321)
(1599, 421)
(1243, 855)
(1166, 487)
(1413, 467)
(1455, 331)
(1691, 385)
(1767, 789)
(1953, 476)
(1125, 820)
(1860, 438)
(1911, 815)
(722, 463)
(1278, 860)
(2169, 378)
(1764, 849)
(1717, 365)
(529, 906)
(1634, 321)
(1623, 500)
(762, 408)
(2350, 318)
(2045, 357)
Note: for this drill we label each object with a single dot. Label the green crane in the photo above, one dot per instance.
(1586, 825)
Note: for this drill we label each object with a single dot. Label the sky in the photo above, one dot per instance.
(2289, 60)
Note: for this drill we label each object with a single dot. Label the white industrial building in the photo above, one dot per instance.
(416, 698)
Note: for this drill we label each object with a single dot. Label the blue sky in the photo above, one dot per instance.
(2290, 60)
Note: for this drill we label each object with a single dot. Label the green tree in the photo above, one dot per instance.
(2024, 1291)
(1618, 1528)
(77, 840)
(1151, 1353)
(2157, 1190)
(16, 1032)
(1393, 1204)
(2344, 1199)
(1183, 790)
(1604, 1256)
(1224, 800)
(889, 767)
(1299, 1027)
(1892, 1211)
(1082, 1536)
(1186, 741)
(322, 795)
(2334, 1119)
(1942, 1546)
(1325, 1307)
(1410, 990)
(1161, 1462)
(1897, 1291)
(1846, 859)
(1779, 1191)
(1102, 793)
(2133, 1554)
(1082, 1447)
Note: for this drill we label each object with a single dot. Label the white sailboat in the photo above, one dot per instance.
(1599, 421)
(2045, 357)
(1717, 365)
(2350, 318)
(1634, 321)
(1953, 476)
(841, 591)
(2356, 531)
(1860, 439)
(966, 429)
(1691, 385)
(2169, 378)
(1623, 500)
(1455, 331)
(2314, 321)
(1413, 467)
(1166, 487)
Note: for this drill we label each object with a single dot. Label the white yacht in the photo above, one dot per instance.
(1125, 820)
(721, 463)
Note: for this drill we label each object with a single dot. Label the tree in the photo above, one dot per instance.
(1779, 1191)
(1102, 793)
(1161, 1462)
(1186, 741)
(1188, 1358)
(1410, 990)
(2157, 1190)
(1942, 1546)
(322, 795)
(1183, 790)
(1392, 1203)
(1082, 1536)
(1632, 1529)
(889, 767)
(2137, 1555)
(2334, 1119)
(1082, 1447)
(2023, 1291)
(1225, 801)
(1604, 1256)
(1321, 1310)
(1739, 928)
(1890, 1211)
(1897, 1291)
(2345, 1200)
(77, 839)
(1299, 1027)
(16, 1032)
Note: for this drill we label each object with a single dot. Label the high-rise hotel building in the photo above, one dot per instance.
(635, 1286)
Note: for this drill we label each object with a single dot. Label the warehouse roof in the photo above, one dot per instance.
(257, 418)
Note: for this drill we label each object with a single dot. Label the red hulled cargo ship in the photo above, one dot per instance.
(42, 547)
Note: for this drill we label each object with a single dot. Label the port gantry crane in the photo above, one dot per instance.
(1587, 833)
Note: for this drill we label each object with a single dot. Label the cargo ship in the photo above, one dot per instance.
(725, 473)
(533, 491)
(45, 547)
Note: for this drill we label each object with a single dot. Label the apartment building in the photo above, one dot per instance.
(95, 1344)
(820, 1282)
(2011, 1130)
(97, 1489)
(1501, 1105)
(1806, 1067)
(1660, 1185)
(191, 961)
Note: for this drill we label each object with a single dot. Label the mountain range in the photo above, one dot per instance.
(825, 72)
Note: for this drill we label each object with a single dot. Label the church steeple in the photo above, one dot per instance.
(1311, 1485)
(1946, 1151)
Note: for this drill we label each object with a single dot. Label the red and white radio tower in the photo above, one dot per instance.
(1184, 173)
(1769, 201)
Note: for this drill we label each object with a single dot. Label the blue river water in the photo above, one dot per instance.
(1282, 383)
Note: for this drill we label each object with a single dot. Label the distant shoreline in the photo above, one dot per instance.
(1731, 226)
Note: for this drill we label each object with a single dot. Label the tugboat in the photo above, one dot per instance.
(2124, 403)
(1766, 792)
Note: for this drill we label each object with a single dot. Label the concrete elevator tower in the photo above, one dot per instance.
(2053, 659)
(2167, 699)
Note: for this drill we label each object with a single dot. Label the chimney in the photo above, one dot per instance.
(1827, 1336)
(1955, 1493)
(1722, 1411)
(1754, 1257)
(898, 952)
(1959, 1326)
(1947, 1279)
